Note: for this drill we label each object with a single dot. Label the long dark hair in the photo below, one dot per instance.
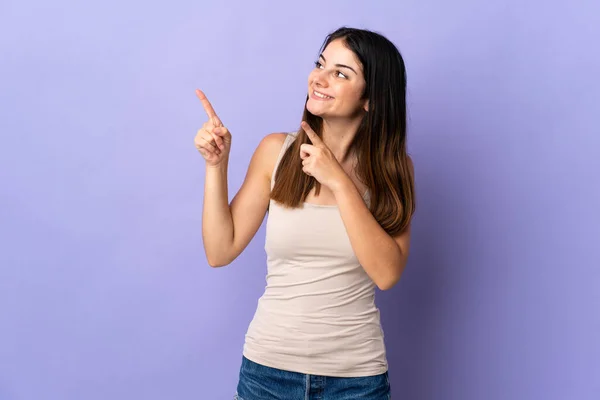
(379, 144)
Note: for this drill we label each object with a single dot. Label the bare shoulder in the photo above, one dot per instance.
(272, 142)
(268, 150)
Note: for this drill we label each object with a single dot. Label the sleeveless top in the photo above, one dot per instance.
(317, 314)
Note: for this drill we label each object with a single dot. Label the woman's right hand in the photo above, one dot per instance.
(213, 140)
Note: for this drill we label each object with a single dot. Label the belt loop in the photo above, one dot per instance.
(307, 391)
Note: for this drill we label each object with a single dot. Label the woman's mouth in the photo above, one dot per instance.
(321, 96)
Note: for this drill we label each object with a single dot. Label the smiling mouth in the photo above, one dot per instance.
(321, 95)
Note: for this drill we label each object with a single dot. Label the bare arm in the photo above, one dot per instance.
(382, 256)
(228, 228)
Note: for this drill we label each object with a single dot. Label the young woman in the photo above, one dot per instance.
(340, 196)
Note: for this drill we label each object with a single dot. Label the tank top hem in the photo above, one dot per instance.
(302, 369)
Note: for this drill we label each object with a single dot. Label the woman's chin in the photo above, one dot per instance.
(316, 111)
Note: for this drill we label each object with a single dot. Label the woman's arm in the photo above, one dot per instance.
(228, 228)
(382, 256)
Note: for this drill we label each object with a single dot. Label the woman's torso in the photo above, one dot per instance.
(317, 314)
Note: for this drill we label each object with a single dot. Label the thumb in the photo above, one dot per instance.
(222, 132)
(306, 150)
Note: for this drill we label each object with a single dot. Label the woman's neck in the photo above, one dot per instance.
(338, 136)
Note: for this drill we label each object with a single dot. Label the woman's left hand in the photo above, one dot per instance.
(319, 162)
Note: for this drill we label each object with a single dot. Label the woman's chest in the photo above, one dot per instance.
(313, 232)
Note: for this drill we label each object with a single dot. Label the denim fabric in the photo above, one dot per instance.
(258, 382)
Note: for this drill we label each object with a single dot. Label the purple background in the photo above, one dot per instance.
(104, 289)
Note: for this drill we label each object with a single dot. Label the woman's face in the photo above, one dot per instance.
(336, 85)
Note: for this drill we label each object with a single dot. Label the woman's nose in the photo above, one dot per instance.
(320, 79)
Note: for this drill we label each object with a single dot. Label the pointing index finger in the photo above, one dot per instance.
(314, 138)
(210, 111)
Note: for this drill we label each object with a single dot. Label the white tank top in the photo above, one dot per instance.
(317, 315)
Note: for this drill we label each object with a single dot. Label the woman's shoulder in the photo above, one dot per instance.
(271, 144)
(273, 140)
(268, 150)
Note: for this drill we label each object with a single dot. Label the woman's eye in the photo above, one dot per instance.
(340, 74)
(318, 64)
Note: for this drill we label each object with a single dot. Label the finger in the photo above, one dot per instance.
(217, 121)
(207, 152)
(204, 152)
(218, 140)
(207, 140)
(222, 132)
(206, 135)
(202, 149)
(209, 145)
(210, 111)
(314, 138)
(306, 150)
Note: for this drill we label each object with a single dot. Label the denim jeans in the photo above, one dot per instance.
(258, 382)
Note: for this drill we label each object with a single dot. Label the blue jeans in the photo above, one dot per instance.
(258, 382)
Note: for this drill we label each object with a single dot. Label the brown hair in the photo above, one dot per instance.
(383, 164)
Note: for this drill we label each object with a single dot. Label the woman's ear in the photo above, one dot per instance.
(366, 106)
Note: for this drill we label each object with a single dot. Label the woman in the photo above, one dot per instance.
(340, 197)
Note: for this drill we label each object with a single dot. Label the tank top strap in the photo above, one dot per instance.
(289, 139)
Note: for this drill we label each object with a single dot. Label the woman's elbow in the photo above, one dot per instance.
(390, 280)
(387, 284)
(217, 262)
